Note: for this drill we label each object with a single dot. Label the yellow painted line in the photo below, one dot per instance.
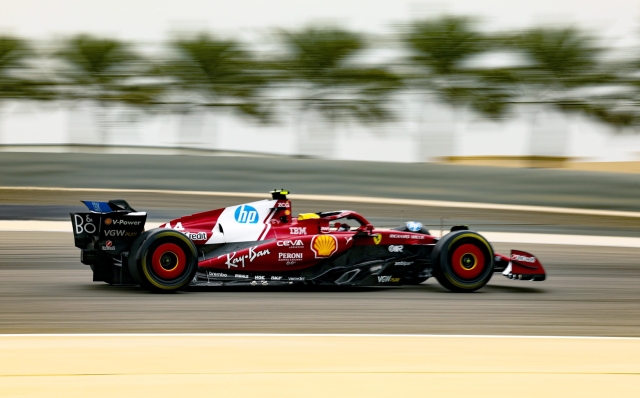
(354, 199)
(317, 366)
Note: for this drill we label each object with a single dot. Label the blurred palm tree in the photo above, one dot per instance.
(322, 70)
(562, 70)
(19, 80)
(440, 69)
(207, 74)
(107, 73)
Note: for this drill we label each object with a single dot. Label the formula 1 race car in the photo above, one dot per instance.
(261, 243)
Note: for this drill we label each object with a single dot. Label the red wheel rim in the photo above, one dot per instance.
(168, 261)
(468, 261)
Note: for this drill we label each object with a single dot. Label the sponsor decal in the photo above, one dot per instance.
(296, 278)
(120, 233)
(177, 227)
(284, 205)
(396, 236)
(403, 263)
(377, 239)
(126, 222)
(217, 274)
(242, 276)
(276, 278)
(395, 248)
(298, 230)
(84, 225)
(497, 258)
(325, 230)
(246, 214)
(233, 261)
(287, 212)
(387, 279)
(108, 245)
(107, 221)
(291, 244)
(290, 256)
(349, 239)
(324, 245)
(524, 259)
(259, 277)
(196, 235)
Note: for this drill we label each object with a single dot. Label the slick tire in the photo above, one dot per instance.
(163, 260)
(462, 261)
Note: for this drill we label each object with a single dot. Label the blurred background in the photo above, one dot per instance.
(541, 84)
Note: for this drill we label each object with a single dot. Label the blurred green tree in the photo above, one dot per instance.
(440, 68)
(206, 72)
(14, 55)
(107, 73)
(565, 71)
(441, 49)
(562, 70)
(19, 80)
(325, 76)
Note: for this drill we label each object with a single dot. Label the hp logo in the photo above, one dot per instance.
(246, 215)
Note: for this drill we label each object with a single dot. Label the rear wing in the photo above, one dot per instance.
(109, 226)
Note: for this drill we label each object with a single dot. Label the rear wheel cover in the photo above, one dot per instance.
(168, 261)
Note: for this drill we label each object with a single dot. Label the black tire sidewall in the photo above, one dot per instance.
(140, 265)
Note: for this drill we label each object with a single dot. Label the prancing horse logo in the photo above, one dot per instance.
(377, 239)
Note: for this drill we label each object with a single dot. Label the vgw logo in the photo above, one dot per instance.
(246, 215)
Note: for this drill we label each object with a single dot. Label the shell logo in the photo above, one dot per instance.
(324, 245)
(107, 221)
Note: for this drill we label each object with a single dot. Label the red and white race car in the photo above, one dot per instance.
(262, 243)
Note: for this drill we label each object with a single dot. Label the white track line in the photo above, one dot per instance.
(356, 199)
(457, 336)
(495, 237)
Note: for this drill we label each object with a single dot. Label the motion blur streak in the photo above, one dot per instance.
(348, 199)
(317, 366)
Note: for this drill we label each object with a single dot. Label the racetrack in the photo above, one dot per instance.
(590, 291)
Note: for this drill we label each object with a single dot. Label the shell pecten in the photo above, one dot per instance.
(324, 245)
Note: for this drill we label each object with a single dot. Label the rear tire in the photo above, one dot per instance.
(462, 261)
(163, 260)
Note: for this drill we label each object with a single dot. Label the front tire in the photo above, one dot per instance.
(163, 260)
(462, 261)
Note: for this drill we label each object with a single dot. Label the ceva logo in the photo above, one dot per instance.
(246, 215)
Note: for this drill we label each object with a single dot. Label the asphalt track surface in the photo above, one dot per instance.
(590, 291)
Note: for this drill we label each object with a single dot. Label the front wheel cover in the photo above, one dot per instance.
(463, 261)
(163, 261)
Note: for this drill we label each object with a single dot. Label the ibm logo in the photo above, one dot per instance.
(246, 215)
